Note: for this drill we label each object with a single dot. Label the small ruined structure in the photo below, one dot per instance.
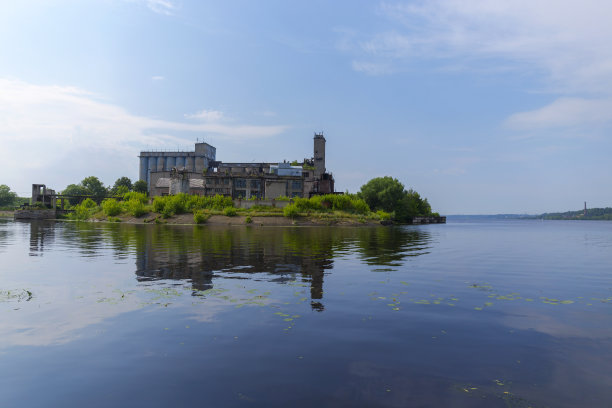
(43, 195)
(179, 181)
(199, 172)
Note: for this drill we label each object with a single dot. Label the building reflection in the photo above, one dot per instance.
(282, 255)
(41, 233)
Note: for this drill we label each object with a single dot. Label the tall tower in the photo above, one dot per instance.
(319, 154)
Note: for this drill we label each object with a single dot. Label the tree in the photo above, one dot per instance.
(122, 181)
(141, 186)
(389, 195)
(75, 190)
(382, 193)
(94, 186)
(7, 197)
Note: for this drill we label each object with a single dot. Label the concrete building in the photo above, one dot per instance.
(200, 173)
(162, 161)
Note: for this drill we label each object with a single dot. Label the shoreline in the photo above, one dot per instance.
(239, 219)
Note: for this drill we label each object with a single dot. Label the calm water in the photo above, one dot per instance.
(492, 314)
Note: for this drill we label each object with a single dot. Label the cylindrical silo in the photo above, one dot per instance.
(189, 163)
(170, 162)
(180, 162)
(144, 166)
(160, 163)
(152, 167)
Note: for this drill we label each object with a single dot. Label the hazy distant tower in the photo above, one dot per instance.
(319, 154)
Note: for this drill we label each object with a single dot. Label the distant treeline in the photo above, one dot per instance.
(591, 214)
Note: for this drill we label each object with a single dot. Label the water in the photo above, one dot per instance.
(491, 314)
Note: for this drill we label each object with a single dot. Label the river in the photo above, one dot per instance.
(469, 314)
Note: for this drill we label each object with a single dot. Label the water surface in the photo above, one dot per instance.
(498, 313)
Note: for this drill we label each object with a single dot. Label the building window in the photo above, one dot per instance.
(296, 185)
(240, 183)
(226, 181)
(256, 184)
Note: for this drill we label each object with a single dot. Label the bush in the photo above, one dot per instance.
(111, 207)
(135, 207)
(383, 215)
(134, 195)
(182, 203)
(158, 204)
(248, 219)
(282, 198)
(88, 203)
(200, 217)
(84, 211)
(291, 211)
(230, 211)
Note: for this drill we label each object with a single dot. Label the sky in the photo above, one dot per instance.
(483, 107)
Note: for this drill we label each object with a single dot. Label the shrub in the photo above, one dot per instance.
(158, 204)
(84, 210)
(111, 207)
(200, 217)
(167, 213)
(134, 195)
(88, 203)
(291, 211)
(135, 207)
(282, 198)
(383, 215)
(229, 211)
(360, 206)
(248, 219)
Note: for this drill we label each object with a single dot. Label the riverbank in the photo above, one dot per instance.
(241, 218)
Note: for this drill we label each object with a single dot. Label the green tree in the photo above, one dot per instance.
(389, 195)
(141, 186)
(75, 190)
(382, 193)
(119, 191)
(7, 197)
(122, 181)
(94, 186)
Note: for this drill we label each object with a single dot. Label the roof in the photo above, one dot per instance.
(165, 183)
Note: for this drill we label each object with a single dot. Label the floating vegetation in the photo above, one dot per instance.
(19, 295)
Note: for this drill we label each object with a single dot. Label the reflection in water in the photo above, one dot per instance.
(41, 233)
(200, 253)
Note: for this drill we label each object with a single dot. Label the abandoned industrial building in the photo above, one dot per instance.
(200, 173)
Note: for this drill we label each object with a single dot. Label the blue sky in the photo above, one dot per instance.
(482, 107)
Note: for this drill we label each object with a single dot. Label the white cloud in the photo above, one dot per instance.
(207, 115)
(161, 6)
(372, 68)
(566, 39)
(69, 129)
(564, 112)
(564, 43)
(165, 7)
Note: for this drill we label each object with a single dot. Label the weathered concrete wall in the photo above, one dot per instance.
(275, 188)
(269, 203)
